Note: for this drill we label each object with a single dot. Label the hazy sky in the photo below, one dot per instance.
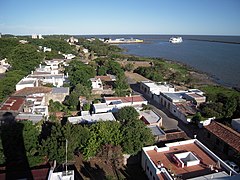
(213, 17)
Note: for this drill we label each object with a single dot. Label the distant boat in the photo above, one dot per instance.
(175, 40)
(123, 41)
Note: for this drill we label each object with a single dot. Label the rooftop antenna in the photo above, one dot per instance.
(66, 154)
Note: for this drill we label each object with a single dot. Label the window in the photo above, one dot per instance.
(147, 168)
(217, 142)
(153, 177)
(150, 173)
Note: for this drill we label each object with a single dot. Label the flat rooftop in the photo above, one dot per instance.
(178, 96)
(136, 98)
(157, 131)
(195, 95)
(32, 90)
(149, 117)
(27, 81)
(92, 118)
(166, 158)
(12, 104)
(60, 90)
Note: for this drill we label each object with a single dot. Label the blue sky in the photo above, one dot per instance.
(203, 17)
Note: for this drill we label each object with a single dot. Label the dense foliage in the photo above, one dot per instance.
(80, 73)
(25, 57)
(53, 43)
(165, 71)
(20, 143)
(106, 66)
(222, 102)
(100, 48)
(6, 46)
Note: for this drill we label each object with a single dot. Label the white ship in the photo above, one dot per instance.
(123, 41)
(175, 40)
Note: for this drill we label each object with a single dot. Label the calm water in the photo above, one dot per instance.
(221, 60)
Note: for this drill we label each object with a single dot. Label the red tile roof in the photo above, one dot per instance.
(12, 104)
(226, 134)
(32, 90)
(166, 159)
(104, 78)
(136, 98)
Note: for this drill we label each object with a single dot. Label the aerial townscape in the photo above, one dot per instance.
(110, 107)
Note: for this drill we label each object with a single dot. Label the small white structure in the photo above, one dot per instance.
(46, 49)
(96, 84)
(72, 40)
(153, 89)
(236, 124)
(27, 82)
(40, 36)
(34, 36)
(4, 66)
(85, 50)
(86, 118)
(69, 56)
(150, 118)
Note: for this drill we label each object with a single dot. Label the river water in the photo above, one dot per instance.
(218, 59)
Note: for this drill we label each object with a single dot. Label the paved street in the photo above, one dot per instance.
(169, 122)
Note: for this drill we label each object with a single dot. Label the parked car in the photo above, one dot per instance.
(232, 165)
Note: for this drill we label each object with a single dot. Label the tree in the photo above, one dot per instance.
(80, 73)
(82, 90)
(20, 143)
(54, 145)
(86, 107)
(135, 136)
(127, 114)
(129, 67)
(25, 57)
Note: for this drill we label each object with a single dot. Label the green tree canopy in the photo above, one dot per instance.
(127, 114)
(25, 57)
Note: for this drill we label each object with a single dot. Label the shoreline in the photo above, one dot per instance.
(226, 42)
(202, 76)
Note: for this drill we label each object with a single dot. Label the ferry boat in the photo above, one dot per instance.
(123, 41)
(175, 40)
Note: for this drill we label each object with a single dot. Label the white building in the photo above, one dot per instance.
(27, 82)
(4, 66)
(113, 104)
(34, 36)
(153, 89)
(47, 78)
(69, 56)
(188, 159)
(85, 50)
(86, 118)
(46, 49)
(96, 84)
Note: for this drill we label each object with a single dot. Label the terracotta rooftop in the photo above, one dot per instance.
(32, 90)
(104, 78)
(187, 108)
(136, 98)
(12, 104)
(226, 134)
(166, 158)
